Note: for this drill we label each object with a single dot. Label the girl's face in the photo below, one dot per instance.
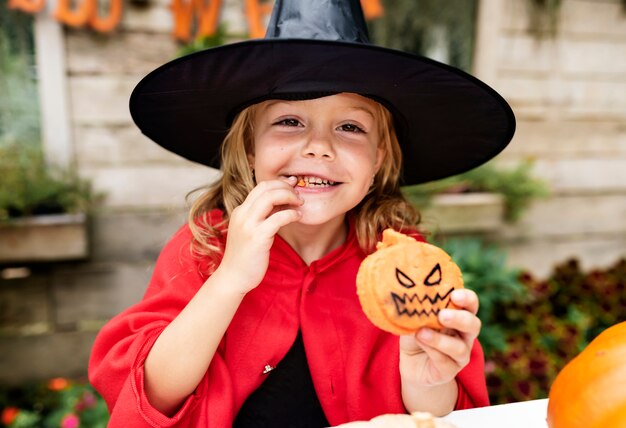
(330, 144)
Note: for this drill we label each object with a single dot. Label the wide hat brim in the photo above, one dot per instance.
(447, 121)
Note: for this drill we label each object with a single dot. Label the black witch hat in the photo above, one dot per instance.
(447, 121)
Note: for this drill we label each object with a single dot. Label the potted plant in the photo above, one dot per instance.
(43, 210)
(479, 200)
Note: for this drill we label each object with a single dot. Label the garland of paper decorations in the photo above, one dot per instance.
(84, 14)
(204, 13)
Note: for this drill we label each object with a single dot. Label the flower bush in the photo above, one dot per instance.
(59, 403)
(554, 321)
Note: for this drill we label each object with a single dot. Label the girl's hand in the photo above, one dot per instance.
(428, 357)
(252, 227)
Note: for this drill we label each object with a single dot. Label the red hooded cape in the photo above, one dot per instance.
(354, 365)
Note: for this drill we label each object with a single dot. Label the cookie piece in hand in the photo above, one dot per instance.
(404, 284)
(414, 420)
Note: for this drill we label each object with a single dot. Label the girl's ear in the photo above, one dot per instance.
(251, 160)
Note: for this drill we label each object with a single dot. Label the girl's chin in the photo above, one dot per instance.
(311, 220)
(318, 217)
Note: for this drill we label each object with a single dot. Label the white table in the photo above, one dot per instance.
(525, 414)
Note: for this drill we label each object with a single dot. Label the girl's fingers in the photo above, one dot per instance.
(441, 367)
(465, 299)
(275, 200)
(264, 186)
(274, 222)
(258, 207)
(441, 346)
(409, 345)
(448, 350)
(259, 191)
(465, 323)
(291, 180)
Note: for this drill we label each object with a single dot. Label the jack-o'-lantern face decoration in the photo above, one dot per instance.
(414, 301)
(405, 283)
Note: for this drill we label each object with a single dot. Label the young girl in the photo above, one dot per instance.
(251, 317)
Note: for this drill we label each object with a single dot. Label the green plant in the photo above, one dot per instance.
(57, 403)
(30, 187)
(516, 185)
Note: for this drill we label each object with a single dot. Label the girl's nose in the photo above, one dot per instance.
(319, 145)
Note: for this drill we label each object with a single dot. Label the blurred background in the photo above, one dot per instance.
(87, 202)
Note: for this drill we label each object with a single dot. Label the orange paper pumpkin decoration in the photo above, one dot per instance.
(109, 22)
(30, 6)
(405, 283)
(75, 16)
(590, 391)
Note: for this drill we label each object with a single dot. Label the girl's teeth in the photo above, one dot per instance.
(313, 181)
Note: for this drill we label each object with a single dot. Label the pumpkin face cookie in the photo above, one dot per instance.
(404, 284)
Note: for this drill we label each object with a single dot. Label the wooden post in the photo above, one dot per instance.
(56, 136)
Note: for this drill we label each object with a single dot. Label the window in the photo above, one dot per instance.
(441, 30)
(19, 99)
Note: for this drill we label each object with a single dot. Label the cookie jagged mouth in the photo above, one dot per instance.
(311, 181)
(411, 304)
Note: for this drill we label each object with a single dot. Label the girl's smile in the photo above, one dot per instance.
(331, 145)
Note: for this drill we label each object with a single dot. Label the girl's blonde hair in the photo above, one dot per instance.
(384, 205)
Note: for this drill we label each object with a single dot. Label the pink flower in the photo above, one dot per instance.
(70, 421)
(87, 401)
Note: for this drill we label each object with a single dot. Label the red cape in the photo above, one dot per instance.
(354, 365)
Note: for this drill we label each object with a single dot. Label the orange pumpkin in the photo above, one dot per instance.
(590, 391)
(405, 283)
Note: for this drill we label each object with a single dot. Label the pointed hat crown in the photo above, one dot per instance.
(339, 20)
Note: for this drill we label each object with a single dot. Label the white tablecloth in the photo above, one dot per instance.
(526, 414)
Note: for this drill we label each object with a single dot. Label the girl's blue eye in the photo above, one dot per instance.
(350, 127)
(288, 122)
